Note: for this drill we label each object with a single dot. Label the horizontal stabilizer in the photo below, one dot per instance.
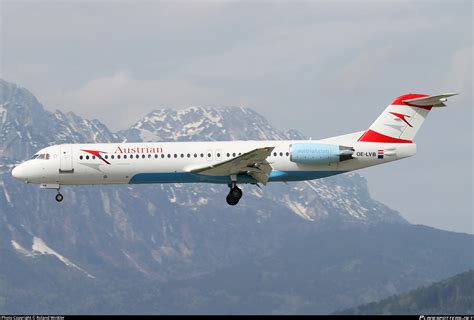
(431, 101)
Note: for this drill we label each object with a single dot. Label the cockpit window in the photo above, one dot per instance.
(42, 156)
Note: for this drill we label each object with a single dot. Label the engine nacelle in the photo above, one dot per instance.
(318, 153)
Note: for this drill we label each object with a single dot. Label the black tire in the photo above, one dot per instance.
(236, 193)
(231, 200)
(59, 197)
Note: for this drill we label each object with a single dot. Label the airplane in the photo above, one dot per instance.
(389, 138)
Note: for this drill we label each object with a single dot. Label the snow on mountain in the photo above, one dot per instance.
(3, 113)
(39, 247)
(20, 249)
(202, 123)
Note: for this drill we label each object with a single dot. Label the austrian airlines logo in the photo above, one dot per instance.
(97, 154)
(402, 117)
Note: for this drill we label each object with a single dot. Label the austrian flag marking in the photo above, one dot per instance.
(380, 154)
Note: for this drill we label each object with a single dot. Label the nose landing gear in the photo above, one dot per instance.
(59, 197)
(234, 195)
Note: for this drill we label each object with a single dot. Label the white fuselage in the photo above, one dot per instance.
(172, 162)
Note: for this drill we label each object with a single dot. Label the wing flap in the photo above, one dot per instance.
(253, 163)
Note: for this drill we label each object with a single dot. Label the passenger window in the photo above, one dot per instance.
(137, 156)
(106, 157)
(202, 155)
(195, 155)
(125, 156)
(87, 157)
(118, 156)
(81, 157)
(143, 156)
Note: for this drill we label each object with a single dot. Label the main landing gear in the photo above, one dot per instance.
(234, 195)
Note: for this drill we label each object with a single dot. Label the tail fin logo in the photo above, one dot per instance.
(402, 117)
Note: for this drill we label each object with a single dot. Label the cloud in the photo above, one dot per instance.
(86, 19)
(119, 99)
(291, 48)
(362, 71)
(459, 77)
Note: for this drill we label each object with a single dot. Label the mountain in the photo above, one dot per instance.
(202, 124)
(454, 295)
(26, 126)
(106, 246)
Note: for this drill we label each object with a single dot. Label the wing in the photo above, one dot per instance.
(253, 163)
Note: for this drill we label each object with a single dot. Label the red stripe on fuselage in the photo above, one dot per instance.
(373, 136)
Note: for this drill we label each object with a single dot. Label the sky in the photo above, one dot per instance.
(323, 67)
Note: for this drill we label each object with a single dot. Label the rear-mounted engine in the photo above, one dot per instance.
(317, 153)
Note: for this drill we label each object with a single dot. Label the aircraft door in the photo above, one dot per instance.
(65, 159)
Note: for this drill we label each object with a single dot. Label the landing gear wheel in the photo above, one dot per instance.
(231, 200)
(236, 193)
(59, 197)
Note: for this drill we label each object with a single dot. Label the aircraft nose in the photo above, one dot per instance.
(19, 172)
